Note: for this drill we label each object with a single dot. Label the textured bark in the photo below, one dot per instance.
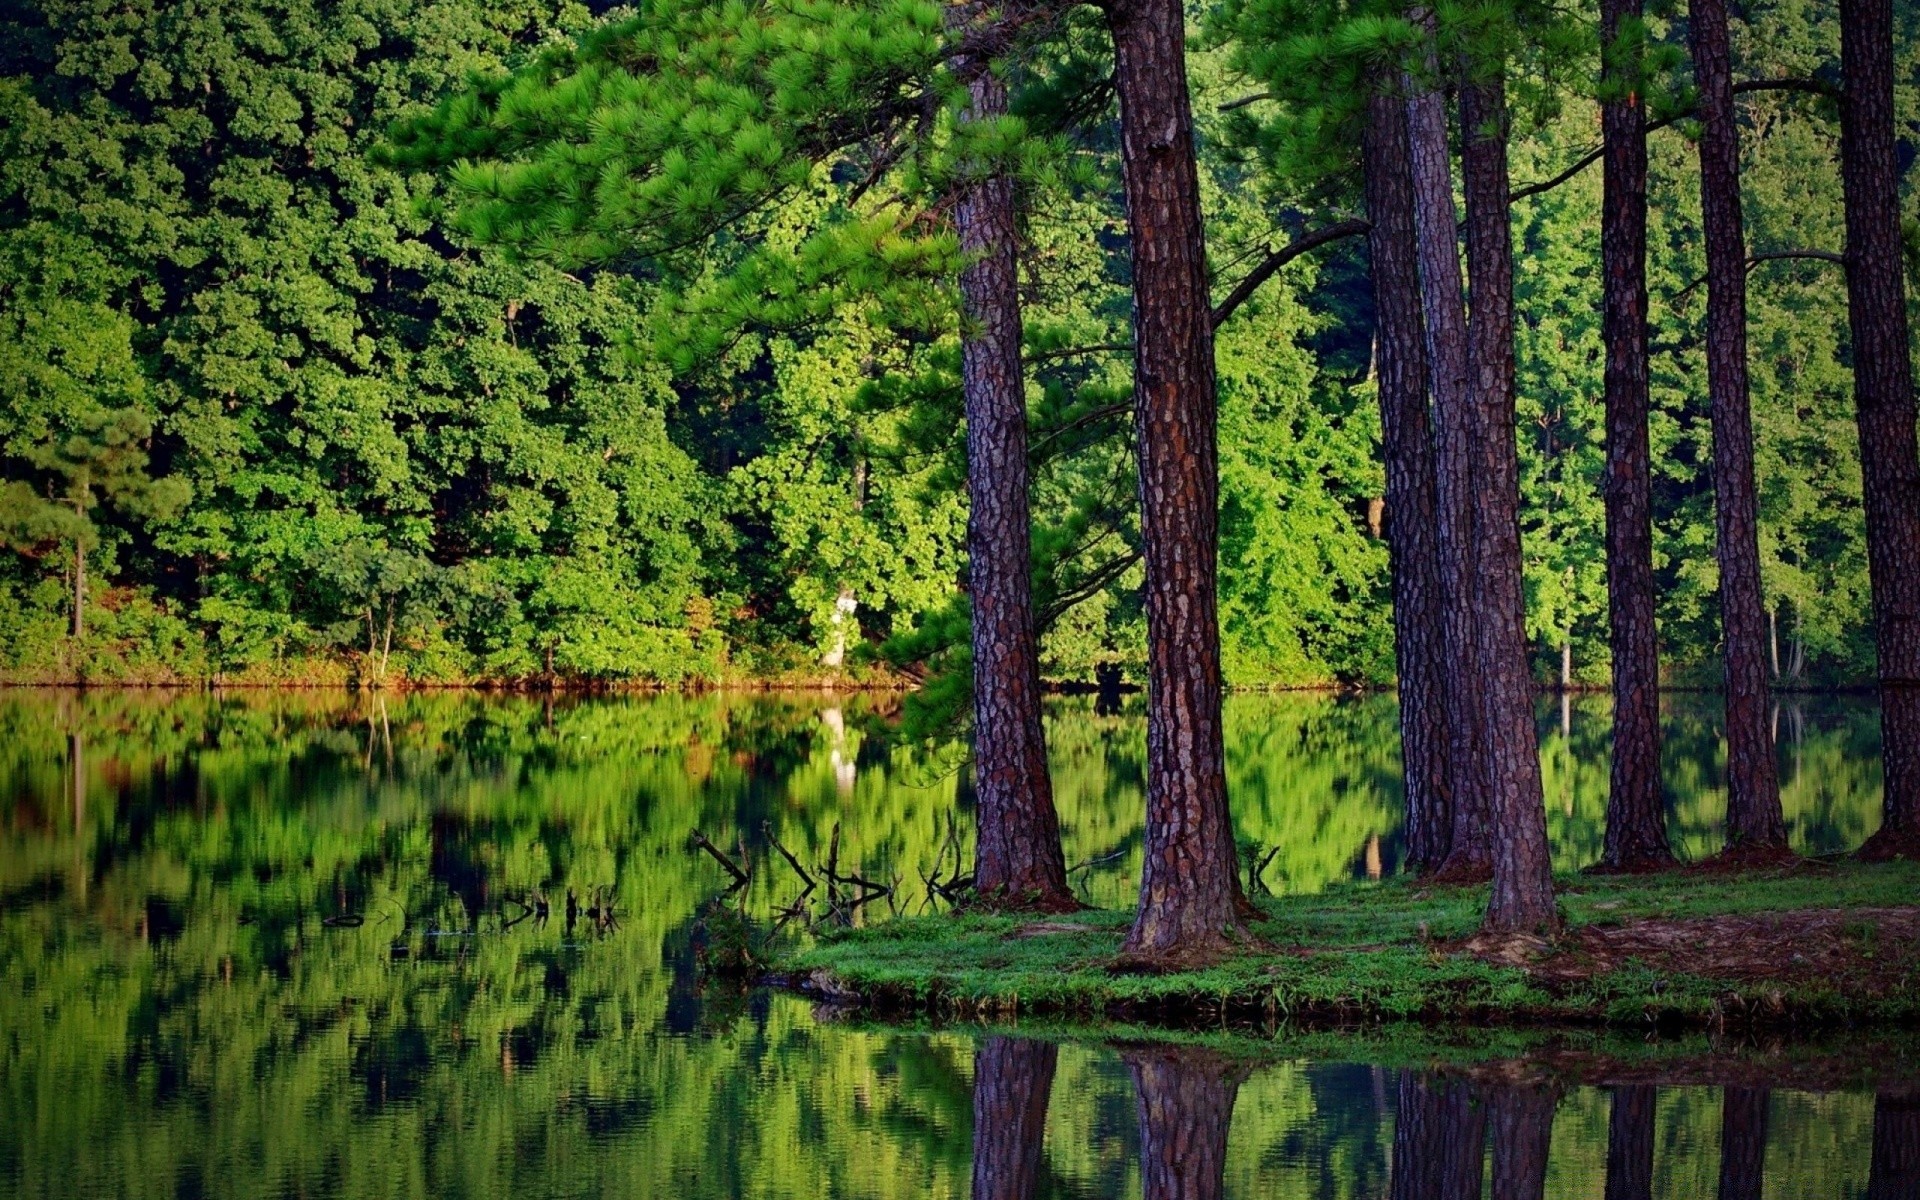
(1894, 1172)
(79, 626)
(1189, 882)
(1754, 820)
(1630, 1144)
(1012, 1083)
(1743, 1142)
(1636, 835)
(1522, 864)
(1413, 549)
(1884, 404)
(1186, 1109)
(1470, 855)
(1521, 1117)
(1019, 861)
(1439, 1140)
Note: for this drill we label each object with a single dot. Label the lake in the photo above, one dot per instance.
(311, 943)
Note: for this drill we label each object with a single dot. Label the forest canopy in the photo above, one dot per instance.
(273, 405)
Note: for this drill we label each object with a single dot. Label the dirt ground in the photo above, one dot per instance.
(1871, 950)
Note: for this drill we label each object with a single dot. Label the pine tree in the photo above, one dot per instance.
(1884, 400)
(1458, 439)
(1407, 445)
(587, 157)
(1522, 896)
(1636, 834)
(1019, 860)
(1755, 824)
(1189, 883)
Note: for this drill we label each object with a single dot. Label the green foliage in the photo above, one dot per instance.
(729, 443)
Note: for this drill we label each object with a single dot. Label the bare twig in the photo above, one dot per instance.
(1095, 861)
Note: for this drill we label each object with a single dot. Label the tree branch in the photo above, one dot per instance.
(1813, 86)
(1769, 256)
(1096, 579)
(1244, 101)
(1275, 259)
(1076, 351)
(1092, 416)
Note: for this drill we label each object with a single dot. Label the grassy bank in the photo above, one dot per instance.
(1817, 944)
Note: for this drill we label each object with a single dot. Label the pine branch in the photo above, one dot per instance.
(1813, 86)
(1251, 281)
(1244, 101)
(1770, 256)
(1096, 579)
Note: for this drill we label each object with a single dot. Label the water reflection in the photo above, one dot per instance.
(1203, 1128)
(313, 944)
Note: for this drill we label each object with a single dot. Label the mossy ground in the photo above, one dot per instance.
(1814, 944)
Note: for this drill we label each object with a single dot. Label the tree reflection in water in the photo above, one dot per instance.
(1012, 1084)
(1445, 1126)
(1185, 1098)
(1896, 1147)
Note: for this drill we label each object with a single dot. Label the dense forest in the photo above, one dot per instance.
(272, 407)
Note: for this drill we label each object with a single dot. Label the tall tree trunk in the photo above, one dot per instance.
(1012, 1084)
(1636, 835)
(1439, 1140)
(1743, 1142)
(1470, 854)
(1018, 860)
(1521, 1117)
(1189, 882)
(1522, 864)
(1884, 404)
(79, 627)
(1894, 1171)
(1186, 1100)
(1754, 821)
(1413, 550)
(1630, 1143)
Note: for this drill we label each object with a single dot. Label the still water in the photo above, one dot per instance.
(315, 944)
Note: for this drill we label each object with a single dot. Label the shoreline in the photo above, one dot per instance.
(899, 686)
(1815, 946)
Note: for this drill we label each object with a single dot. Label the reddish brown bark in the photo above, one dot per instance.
(1743, 1142)
(1439, 1140)
(1755, 823)
(1521, 1119)
(1012, 1084)
(1630, 1144)
(1636, 834)
(1018, 861)
(1894, 1171)
(1413, 551)
(1522, 895)
(1189, 882)
(1186, 1100)
(1884, 404)
(1470, 854)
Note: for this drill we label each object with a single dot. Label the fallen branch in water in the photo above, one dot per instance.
(766, 827)
(720, 856)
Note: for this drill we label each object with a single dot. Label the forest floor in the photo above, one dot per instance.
(1819, 943)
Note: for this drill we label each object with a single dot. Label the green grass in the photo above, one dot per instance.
(1376, 952)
